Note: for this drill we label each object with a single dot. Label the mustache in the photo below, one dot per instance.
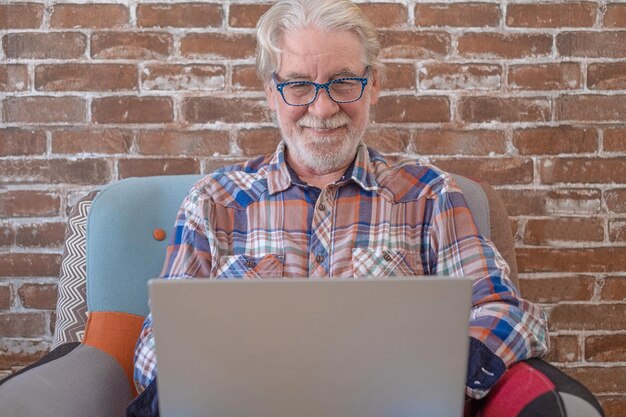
(336, 120)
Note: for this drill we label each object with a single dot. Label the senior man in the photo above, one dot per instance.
(326, 206)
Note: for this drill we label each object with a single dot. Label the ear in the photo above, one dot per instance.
(374, 87)
(270, 95)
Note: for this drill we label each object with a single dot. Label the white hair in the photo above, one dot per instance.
(325, 15)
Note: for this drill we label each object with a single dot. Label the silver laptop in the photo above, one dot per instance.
(311, 348)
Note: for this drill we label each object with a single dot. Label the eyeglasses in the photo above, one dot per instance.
(303, 93)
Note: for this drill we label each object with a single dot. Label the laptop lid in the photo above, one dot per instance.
(311, 348)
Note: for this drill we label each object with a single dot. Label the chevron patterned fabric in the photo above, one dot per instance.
(72, 299)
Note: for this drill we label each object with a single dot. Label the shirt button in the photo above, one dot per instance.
(387, 257)
(321, 207)
(250, 264)
(319, 259)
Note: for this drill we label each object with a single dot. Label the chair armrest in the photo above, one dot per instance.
(84, 382)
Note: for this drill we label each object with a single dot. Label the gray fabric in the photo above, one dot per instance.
(578, 407)
(477, 202)
(85, 382)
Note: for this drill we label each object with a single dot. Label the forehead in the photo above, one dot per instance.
(319, 54)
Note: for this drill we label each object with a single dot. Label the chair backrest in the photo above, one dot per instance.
(122, 253)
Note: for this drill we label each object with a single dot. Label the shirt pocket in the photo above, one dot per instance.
(250, 267)
(382, 263)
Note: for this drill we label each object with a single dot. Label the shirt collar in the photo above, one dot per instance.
(279, 178)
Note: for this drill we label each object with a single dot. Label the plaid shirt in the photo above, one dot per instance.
(385, 217)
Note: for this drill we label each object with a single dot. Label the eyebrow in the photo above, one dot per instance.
(345, 72)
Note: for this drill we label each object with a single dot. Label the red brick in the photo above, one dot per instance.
(45, 110)
(587, 317)
(388, 140)
(552, 290)
(218, 45)
(613, 405)
(87, 141)
(29, 265)
(459, 142)
(38, 296)
(226, 110)
(151, 167)
(22, 142)
(21, 16)
(613, 288)
(617, 230)
(504, 45)
(615, 140)
(40, 235)
(616, 200)
(192, 77)
(606, 348)
(416, 45)
(245, 78)
(211, 165)
(7, 234)
(562, 76)
(564, 349)
(385, 15)
(85, 77)
(401, 77)
(16, 352)
(573, 260)
(554, 231)
(556, 15)
(59, 45)
(610, 76)
(183, 143)
(22, 324)
(457, 15)
(130, 109)
(182, 15)
(131, 45)
(555, 140)
(495, 171)
(55, 171)
(600, 379)
(533, 202)
(594, 108)
(29, 203)
(254, 142)
(411, 109)
(504, 109)
(13, 77)
(246, 15)
(592, 44)
(92, 16)
(443, 76)
(5, 297)
(582, 170)
(615, 17)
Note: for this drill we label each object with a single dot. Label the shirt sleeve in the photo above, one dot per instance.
(504, 328)
(188, 255)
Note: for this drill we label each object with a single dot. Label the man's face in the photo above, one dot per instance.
(321, 137)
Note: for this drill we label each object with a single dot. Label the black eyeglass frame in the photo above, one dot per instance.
(280, 87)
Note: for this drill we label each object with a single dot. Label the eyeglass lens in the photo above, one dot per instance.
(339, 90)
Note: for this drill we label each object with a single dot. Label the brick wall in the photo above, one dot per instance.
(529, 96)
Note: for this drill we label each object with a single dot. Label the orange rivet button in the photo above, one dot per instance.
(159, 234)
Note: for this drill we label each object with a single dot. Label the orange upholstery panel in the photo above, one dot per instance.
(116, 334)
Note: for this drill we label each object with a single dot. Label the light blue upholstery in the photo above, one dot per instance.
(122, 254)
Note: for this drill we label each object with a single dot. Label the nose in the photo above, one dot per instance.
(323, 107)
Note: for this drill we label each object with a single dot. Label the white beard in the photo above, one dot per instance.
(324, 154)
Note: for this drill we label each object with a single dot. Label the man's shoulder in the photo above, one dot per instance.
(235, 185)
(409, 178)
